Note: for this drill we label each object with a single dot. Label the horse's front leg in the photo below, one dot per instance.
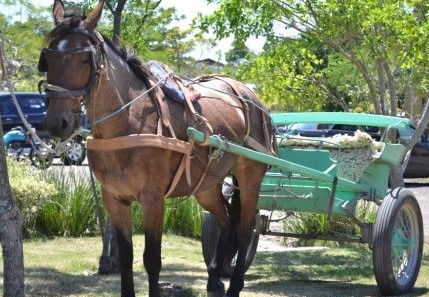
(120, 215)
(153, 209)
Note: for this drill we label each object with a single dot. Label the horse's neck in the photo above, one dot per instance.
(117, 86)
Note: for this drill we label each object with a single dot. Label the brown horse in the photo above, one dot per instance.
(85, 68)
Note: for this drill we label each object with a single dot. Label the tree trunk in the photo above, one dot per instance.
(10, 217)
(396, 173)
(10, 233)
(392, 89)
(117, 15)
(382, 85)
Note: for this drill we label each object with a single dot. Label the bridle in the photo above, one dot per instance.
(96, 52)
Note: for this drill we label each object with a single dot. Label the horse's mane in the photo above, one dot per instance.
(72, 20)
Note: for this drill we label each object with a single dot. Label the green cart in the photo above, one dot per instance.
(334, 176)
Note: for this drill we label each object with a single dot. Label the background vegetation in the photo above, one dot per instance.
(323, 55)
(59, 202)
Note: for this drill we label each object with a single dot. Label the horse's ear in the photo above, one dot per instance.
(58, 11)
(93, 18)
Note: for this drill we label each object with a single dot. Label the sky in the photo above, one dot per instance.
(198, 6)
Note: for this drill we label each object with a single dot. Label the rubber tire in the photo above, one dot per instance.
(210, 237)
(399, 199)
(17, 145)
(69, 161)
(38, 162)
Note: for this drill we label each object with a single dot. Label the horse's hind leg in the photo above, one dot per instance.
(212, 201)
(249, 175)
(119, 212)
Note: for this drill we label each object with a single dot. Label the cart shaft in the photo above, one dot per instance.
(224, 145)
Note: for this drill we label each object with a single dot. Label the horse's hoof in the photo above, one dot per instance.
(215, 288)
(218, 291)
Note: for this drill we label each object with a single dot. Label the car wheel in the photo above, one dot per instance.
(15, 148)
(40, 157)
(76, 152)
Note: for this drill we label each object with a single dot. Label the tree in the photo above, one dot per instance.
(117, 15)
(150, 30)
(384, 41)
(238, 54)
(24, 39)
(10, 216)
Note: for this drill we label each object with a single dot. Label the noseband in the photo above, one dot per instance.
(96, 54)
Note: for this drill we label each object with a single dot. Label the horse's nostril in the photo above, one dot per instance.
(64, 124)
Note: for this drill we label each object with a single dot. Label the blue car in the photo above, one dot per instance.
(33, 106)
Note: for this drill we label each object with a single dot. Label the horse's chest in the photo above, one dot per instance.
(115, 172)
(129, 173)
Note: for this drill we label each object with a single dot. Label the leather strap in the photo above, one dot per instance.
(177, 176)
(138, 140)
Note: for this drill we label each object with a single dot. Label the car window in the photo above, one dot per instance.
(7, 107)
(32, 104)
(343, 127)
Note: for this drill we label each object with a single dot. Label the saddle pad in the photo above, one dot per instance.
(168, 86)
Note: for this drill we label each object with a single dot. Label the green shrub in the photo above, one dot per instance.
(30, 194)
(72, 211)
(62, 203)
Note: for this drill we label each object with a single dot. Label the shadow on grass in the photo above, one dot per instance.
(322, 289)
(50, 282)
(338, 272)
(347, 264)
(322, 273)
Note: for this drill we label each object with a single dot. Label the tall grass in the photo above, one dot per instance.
(182, 216)
(72, 211)
(314, 224)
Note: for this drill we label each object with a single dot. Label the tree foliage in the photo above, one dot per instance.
(383, 41)
(147, 28)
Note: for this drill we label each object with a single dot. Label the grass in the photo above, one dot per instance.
(67, 267)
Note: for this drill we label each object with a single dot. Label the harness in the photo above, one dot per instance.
(97, 53)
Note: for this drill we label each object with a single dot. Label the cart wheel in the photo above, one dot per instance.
(398, 243)
(210, 237)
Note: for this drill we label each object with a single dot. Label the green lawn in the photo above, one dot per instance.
(67, 267)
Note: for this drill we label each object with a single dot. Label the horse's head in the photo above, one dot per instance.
(72, 60)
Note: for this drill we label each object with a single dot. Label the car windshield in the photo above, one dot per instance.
(28, 105)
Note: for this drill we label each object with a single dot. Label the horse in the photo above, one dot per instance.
(140, 150)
